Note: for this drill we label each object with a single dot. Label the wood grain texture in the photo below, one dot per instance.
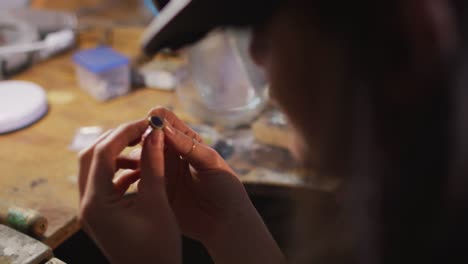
(17, 248)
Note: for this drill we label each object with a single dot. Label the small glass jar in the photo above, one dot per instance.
(223, 85)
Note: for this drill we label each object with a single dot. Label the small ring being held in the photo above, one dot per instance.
(156, 122)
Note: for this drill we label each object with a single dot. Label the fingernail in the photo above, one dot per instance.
(169, 129)
(147, 132)
(156, 122)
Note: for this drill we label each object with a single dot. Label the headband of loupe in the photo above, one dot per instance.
(183, 22)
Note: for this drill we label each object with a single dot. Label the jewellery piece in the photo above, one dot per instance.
(156, 122)
(194, 145)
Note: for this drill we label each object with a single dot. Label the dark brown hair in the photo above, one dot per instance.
(405, 178)
(401, 146)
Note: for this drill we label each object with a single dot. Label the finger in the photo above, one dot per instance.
(135, 142)
(105, 154)
(200, 155)
(125, 180)
(152, 164)
(174, 171)
(85, 157)
(127, 163)
(123, 136)
(170, 117)
(148, 130)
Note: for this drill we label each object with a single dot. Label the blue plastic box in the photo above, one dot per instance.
(102, 72)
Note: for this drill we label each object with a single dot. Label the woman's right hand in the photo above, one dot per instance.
(210, 202)
(139, 228)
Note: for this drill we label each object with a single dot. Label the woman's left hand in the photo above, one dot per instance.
(136, 229)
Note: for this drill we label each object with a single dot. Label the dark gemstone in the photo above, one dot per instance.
(157, 121)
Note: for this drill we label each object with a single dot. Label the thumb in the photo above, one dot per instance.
(152, 162)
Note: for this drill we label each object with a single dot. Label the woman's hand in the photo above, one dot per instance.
(209, 201)
(206, 194)
(137, 229)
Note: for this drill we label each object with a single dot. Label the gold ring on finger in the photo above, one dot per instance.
(194, 145)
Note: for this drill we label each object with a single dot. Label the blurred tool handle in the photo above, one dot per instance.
(27, 221)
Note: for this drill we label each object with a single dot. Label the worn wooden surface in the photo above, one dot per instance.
(38, 171)
(17, 248)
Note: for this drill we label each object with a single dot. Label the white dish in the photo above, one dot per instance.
(21, 104)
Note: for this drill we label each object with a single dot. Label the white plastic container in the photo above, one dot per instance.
(102, 72)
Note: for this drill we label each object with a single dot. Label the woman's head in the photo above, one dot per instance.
(371, 88)
(317, 52)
